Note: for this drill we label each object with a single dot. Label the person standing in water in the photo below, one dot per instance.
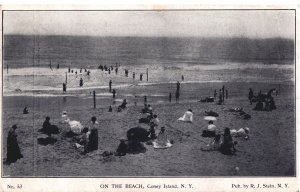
(133, 75)
(114, 93)
(182, 77)
(81, 82)
(64, 88)
(110, 82)
(170, 97)
(141, 77)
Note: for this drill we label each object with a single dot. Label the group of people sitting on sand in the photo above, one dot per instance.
(221, 141)
(265, 102)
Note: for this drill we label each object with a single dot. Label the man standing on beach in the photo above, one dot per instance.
(110, 82)
(250, 96)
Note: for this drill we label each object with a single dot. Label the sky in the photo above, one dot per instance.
(208, 23)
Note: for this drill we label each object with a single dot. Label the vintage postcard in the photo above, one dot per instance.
(149, 98)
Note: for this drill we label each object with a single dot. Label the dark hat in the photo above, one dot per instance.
(14, 126)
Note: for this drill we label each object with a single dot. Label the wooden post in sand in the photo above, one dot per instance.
(94, 94)
(147, 74)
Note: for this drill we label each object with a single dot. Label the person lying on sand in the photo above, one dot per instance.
(211, 113)
(242, 132)
(208, 100)
(211, 130)
(187, 116)
(215, 145)
(236, 109)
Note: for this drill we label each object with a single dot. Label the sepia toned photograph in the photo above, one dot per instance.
(145, 93)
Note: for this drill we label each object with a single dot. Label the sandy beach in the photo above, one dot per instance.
(270, 151)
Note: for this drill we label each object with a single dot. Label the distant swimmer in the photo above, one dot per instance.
(110, 82)
(81, 82)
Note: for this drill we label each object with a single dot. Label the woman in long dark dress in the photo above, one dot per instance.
(93, 137)
(13, 149)
(227, 146)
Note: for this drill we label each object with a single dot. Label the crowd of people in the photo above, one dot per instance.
(86, 138)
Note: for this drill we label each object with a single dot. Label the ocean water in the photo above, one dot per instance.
(26, 62)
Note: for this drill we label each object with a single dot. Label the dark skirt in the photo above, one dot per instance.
(93, 140)
(13, 149)
(207, 133)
